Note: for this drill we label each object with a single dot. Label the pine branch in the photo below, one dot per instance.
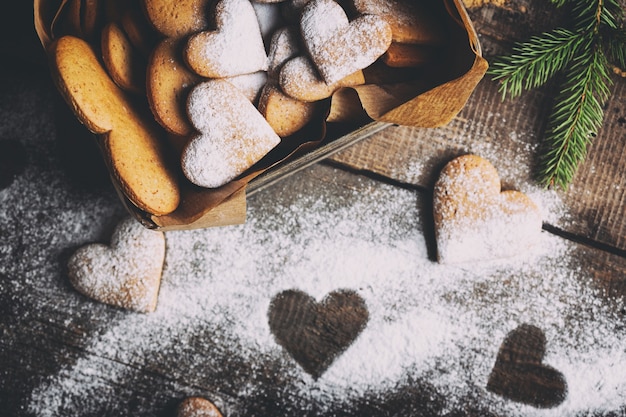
(616, 48)
(533, 62)
(575, 119)
(585, 55)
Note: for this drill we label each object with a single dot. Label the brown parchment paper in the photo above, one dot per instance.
(430, 97)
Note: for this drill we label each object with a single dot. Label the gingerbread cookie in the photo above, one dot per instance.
(234, 48)
(197, 407)
(176, 19)
(474, 220)
(123, 63)
(167, 85)
(233, 134)
(133, 147)
(127, 273)
(298, 79)
(339, 47)
(285, 114)
(284, 45)
(250, 84)
(411, 21)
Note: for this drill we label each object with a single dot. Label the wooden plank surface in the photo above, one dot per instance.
(509, 133)
(539, 335)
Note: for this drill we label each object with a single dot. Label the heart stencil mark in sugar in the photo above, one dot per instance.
(316, 333)
(234, 48)
(519, 373)
(127, 273)
(12, 161)
(474, 220)
(337, 46)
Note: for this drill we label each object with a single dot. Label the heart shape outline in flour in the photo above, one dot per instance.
(337, 46)
(476, 221)
(233, 134)
(316, 333)
(126, 273)
(236, 46)
(519, 373)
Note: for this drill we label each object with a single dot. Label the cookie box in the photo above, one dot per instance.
(143, 153)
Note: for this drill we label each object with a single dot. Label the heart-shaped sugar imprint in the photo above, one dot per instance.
(125, 274)
(315, 333)
(519, 373)
(233, 134)
(474, 220)
(235, 48)
(197, 407)
(337, 46)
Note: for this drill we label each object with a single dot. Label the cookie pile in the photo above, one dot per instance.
(224, 81)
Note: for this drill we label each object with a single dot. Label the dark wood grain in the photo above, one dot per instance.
(49, 332)
(509, 133)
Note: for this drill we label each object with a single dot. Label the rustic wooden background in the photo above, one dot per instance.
(35, 345)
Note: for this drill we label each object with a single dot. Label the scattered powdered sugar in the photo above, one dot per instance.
(431, 326)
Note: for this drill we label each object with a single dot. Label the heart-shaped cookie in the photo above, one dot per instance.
(234, 48)
(125, 274)
(298, 79)
(197, 407)
(519, 373)
(315, 333)
(337, 46)
(233, 134)
(474, 220)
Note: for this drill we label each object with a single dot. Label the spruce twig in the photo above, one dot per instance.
(584, 54)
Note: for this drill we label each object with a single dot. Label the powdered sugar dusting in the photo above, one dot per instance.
(431, 325)
(127, 273)
(474, 220)
(234, 135)
(235, 48)
(338, 47)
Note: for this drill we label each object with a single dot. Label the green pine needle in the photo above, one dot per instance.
(583, 55)
(575, 119)
(534, 62)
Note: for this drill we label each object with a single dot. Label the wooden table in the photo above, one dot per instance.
(430, 337)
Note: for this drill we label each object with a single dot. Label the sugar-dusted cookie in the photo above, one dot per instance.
(176, 19)
(235, 47)
(284, 45)
(474, 220)
(250, 84)
(233, 134)
(286, 115)
(168, 82)
(299, 79)
(337, 46)
(124, 63)
(269, 18)
(127, 273)
(411, 21)
(133, 145)
(197, 407)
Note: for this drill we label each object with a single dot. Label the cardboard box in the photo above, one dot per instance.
(428, 96)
